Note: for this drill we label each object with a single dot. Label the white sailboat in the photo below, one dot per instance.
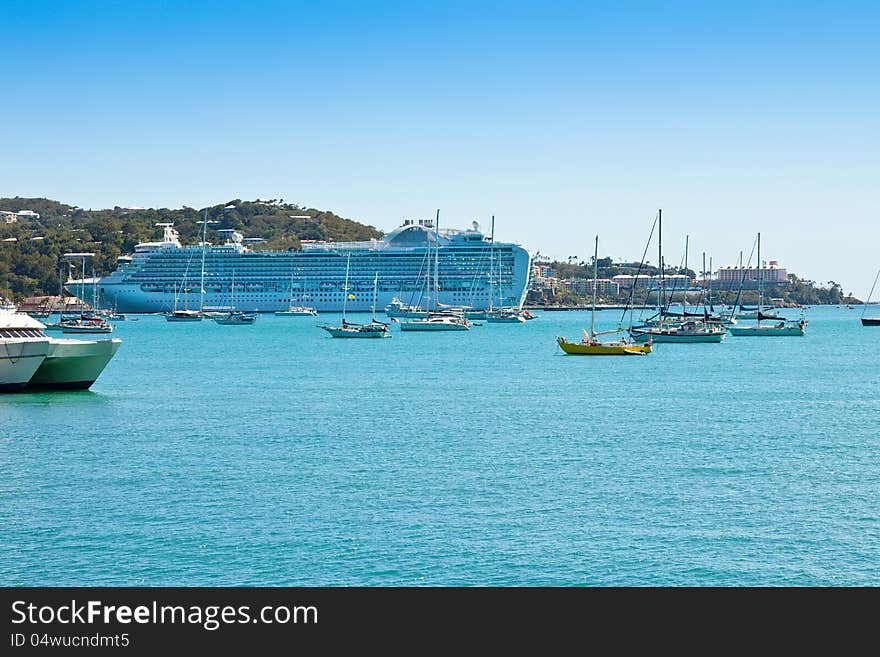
(780, 327)
(85, 323)
(294, 310)
(435, 320)
(870, 321)
(235, 317)
(185, 314)
(668, 328)
(374, 329)
(499, 314)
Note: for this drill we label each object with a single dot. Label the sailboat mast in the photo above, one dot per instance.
(595, 285)
(375, 293)
(82, 288)
(660, 299)
(684, 292)
(437, 260)
(760, 281)
(345, 291)
(704, 279)
(492, 267)
(710, 282)
(202, 278)
(870, 294)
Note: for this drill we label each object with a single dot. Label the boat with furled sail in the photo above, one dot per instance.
(435, 320)
(870, 321)
(665, 327)
(780, 327)
(373, 329)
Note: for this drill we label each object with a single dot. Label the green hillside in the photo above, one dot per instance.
(31, 249)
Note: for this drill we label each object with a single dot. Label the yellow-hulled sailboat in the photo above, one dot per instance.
(591, 345)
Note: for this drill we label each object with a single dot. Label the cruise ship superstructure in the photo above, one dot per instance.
(472, 272)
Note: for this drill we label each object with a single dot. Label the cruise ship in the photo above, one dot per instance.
(473, 271)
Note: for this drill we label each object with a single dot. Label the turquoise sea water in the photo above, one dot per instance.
(273, 454)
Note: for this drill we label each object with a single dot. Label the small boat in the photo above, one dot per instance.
(85, 325)
(681, 332)
(591, 345)
(350, 330)
(236, 317)
(870, 321)
(374, 329)
(781, 327)
(753, 314)
(505, 316)
(437, 322)
(184, 316)
(293, 311)
(667, 327)
(499, 314)
(435, 319)
(397, 309)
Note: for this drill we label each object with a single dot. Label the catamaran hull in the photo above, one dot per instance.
(870, 321)
(74, 364)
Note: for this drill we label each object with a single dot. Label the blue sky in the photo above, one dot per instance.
(564, 119)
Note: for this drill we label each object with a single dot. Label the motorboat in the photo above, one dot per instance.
(23, 347)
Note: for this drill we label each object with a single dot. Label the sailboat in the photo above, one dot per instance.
(870, 321)
(780, 326)
(374, 329)
(85, 323)
(294, 310)
(591, 345)
(235, 317)
(499, 315)
(434, 319)
(668, 328)
(183, 314)
(187, 315)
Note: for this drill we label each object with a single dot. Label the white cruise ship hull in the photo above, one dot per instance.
(159, 274)
(73, 364)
